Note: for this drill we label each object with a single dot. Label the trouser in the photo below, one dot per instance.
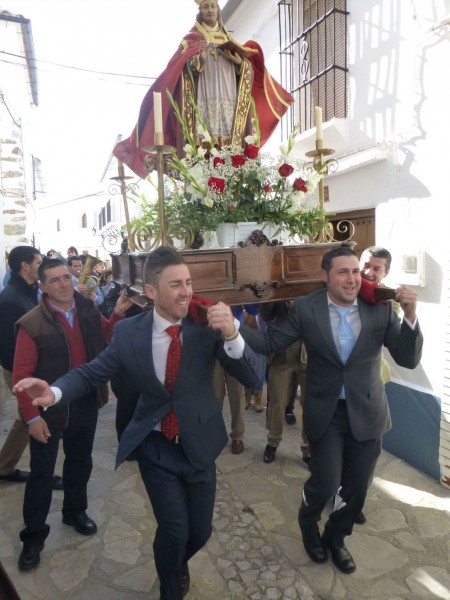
(78, 441)
(17, 439)
(282, 377)
(337, 457)
(182, 499)
(222, 382)
(286, 370)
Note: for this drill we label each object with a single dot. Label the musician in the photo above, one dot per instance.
(64, 331)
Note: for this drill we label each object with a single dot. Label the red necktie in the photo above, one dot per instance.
(169, 423)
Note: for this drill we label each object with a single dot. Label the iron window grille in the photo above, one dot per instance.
(313, 59)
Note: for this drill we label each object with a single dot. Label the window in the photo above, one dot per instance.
(58, 225)
(83, 221)
(313, 42)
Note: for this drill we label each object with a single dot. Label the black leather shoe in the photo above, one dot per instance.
(269, 454)
(290, 418)
(29, 557)
(340, 555)
(57, 483)
(17, 476)
(360, 518)
(81, 523)
(313, 544)
(185, 579)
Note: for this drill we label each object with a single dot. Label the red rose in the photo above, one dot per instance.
(232, 207)
(267, 188)
(251, 151)
(218, 161)
(300, 185)
(285, 170)
(237, 161)
(216, 183)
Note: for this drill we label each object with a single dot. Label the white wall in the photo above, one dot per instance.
(392, 150)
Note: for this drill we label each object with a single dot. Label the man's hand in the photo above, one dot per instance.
(38, 389)
(39, 430)
(123, 303)
(221, 318)
(408, 302)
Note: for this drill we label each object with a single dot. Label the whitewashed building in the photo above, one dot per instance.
(379, 70)
(20, 173)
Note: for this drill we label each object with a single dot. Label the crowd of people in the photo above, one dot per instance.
(171, 418)
(65, 336)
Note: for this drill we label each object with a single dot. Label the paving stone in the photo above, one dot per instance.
(430, 582)
(255, 551)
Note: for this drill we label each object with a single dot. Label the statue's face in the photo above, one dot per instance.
(210, 12)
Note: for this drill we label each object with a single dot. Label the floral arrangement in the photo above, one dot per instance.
(210, 186)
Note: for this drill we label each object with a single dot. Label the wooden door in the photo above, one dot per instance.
(363, 222)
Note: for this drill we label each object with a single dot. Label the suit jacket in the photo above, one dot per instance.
(202, 429)
(367, 408)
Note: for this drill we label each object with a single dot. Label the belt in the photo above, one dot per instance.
(176, 440)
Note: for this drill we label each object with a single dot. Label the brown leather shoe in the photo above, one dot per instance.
(237, 446)
(185, 580)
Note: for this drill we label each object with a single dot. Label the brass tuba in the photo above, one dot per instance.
(90, 281)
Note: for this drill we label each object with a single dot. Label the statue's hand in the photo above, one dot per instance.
(203, 49)
(233, 56)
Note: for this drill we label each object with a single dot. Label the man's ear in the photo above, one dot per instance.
(149, 291)
(324, 275)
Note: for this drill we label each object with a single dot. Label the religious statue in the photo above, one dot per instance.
(219, 76)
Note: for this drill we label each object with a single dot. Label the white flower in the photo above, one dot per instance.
(250, 139)
(188, 150)
(201, 152)
(203, 133)
(194, 193)
(208, 202)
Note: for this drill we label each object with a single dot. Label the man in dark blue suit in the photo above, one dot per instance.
(179, 473)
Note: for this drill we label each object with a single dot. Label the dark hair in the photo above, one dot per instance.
(21, 254)
(49, 263)
(380, 252)
(158, 260)
(72, 249)
(72, 259)
(327, 259)
(104, 276)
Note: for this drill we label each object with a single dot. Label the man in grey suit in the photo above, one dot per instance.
(178, 469)
(345, 410)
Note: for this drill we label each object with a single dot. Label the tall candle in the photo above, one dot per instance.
(157, 111)
(318, 119)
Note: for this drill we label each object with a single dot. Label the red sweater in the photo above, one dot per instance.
(26, 355)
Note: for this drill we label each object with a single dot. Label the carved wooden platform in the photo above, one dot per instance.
(242, 275)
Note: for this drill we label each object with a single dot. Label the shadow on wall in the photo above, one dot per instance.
(415, 432)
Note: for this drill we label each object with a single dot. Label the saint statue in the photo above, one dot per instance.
(219, 76)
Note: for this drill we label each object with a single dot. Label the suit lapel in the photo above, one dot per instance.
(190, 340)
(322, 316)
(144, 351)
